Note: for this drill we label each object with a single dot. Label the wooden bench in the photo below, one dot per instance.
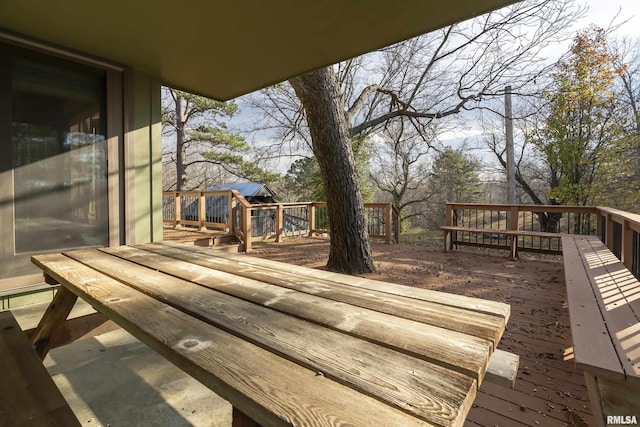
(512, 235)
(28, 395)
(604, 308)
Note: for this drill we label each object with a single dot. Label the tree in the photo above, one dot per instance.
(582, 142)
(319, 93)
(304, 180)
(399, 169)
(628, 64)
(454, 177)
(202, 138)
(431, 77)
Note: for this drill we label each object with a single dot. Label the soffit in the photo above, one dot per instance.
(223, 49)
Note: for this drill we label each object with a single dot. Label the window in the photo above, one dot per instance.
(54, 174)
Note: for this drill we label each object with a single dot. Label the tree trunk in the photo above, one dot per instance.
(319, 93)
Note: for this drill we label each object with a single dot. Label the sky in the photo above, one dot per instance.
(601, 12)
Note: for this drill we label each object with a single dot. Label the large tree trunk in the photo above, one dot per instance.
(324, 106)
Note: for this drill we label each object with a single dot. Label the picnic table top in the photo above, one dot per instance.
(290, 345)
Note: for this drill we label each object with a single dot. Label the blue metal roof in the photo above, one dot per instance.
(245, 188)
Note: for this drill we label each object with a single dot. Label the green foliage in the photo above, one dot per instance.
(202, 135)
(454, 178)
(305, 181)
(198, 108)
(583, 141)
(361, 146)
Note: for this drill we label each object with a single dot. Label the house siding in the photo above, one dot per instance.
(143, 158)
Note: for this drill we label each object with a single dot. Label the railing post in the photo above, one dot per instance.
(514, 211)
(451, 218)
(311, 218)
(230, 212)
(387, 224)
(599, 217)
(177, 209)
(398, 227)
(609, 235)
(279, 222)
(246, 225)
(202, 211)
(448, 215)
(627, 245)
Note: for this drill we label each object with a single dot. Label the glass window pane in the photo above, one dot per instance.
(58, 156)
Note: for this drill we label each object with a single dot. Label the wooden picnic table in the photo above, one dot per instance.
(288, 345)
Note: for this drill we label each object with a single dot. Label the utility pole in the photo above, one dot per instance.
(511, 167)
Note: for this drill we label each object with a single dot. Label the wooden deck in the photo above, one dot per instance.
(549, 390)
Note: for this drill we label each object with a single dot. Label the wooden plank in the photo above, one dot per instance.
(616, 292)
(468, 303)
(591, 382)
(458, 319)
(504, 232)
(503, 368)
(435, 308)
(461, 352)
(259, 383)
(593, 348)
(79, 328)
(410, 384)
(28, 395)
(52, 321)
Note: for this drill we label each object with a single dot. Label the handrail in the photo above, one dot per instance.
(248, 222)
(619, 230)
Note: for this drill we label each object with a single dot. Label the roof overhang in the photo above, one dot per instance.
(223, 49)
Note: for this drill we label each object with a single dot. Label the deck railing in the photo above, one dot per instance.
(230, 214)
(619, 230)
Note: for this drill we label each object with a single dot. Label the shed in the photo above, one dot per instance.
(253, 192)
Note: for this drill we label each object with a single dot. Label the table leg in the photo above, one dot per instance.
(52, 321)
(241, 420)
(594, 396)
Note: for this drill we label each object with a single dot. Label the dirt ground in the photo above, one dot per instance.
(428, 266)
